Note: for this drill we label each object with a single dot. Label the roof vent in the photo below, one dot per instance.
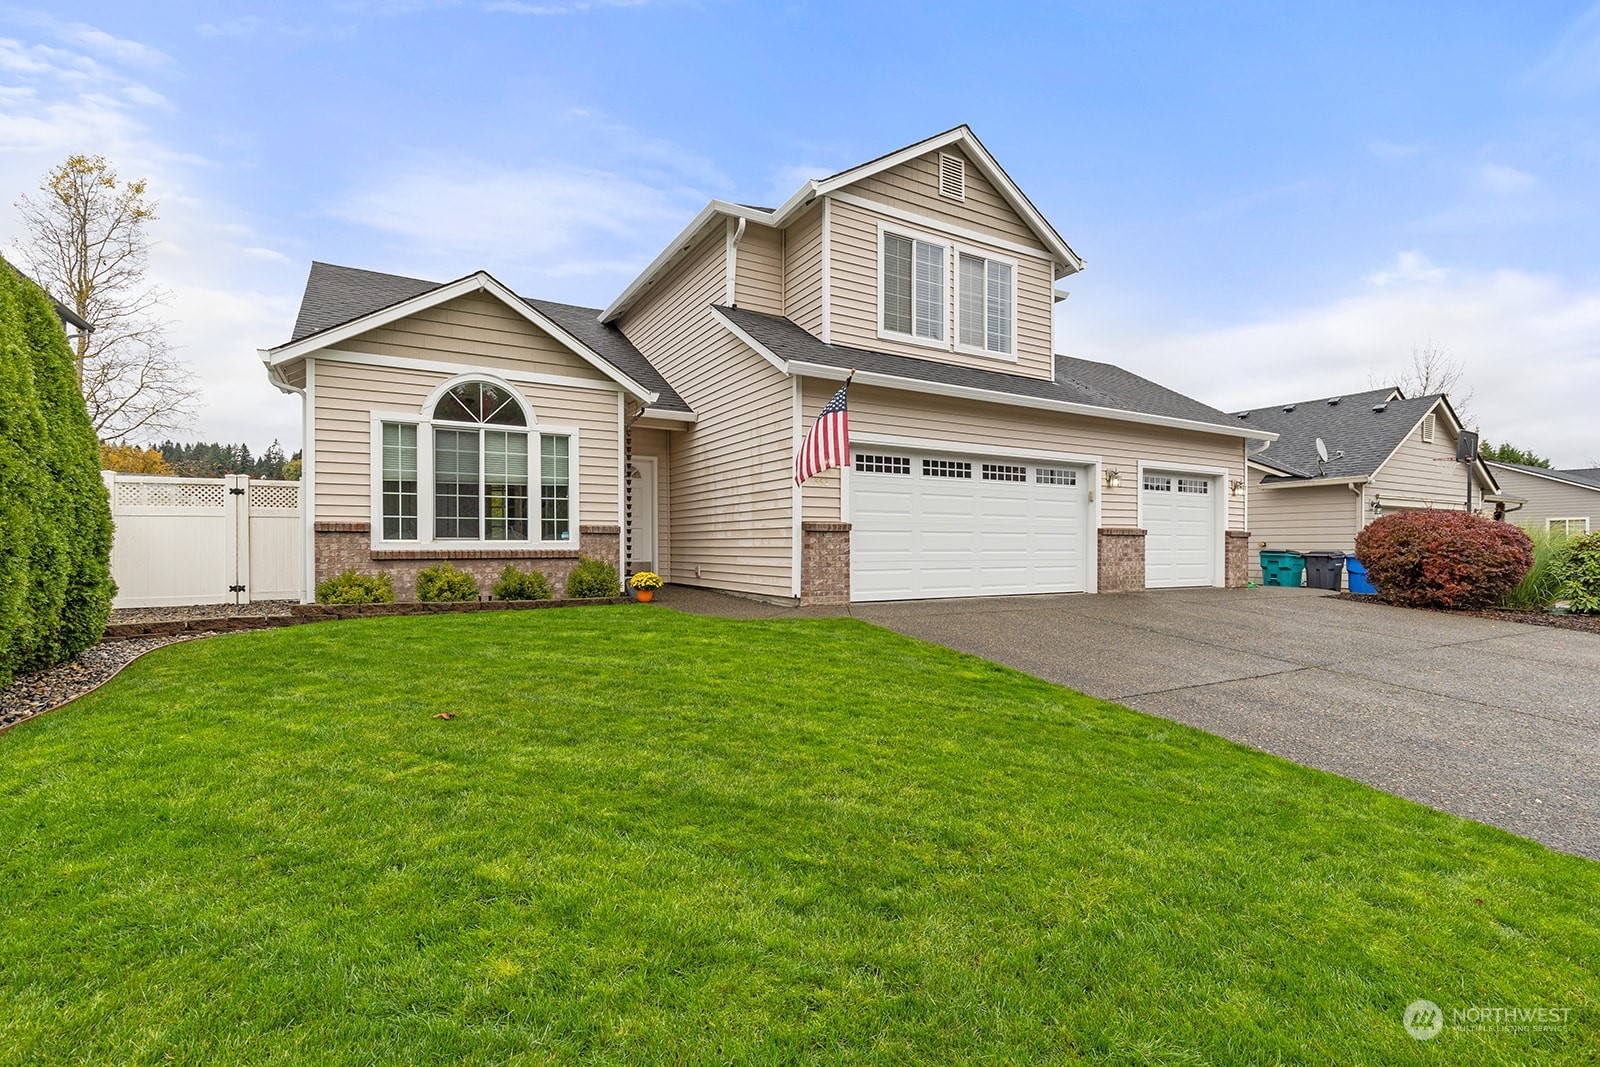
(952, 177)
(1379, 407)
(1288, 409)
(1242, 415)
(1335, 401)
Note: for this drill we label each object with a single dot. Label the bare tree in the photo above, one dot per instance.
(87, 245)
(1432, 370)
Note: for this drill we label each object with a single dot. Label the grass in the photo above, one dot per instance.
(1539, 588)
(648, 838)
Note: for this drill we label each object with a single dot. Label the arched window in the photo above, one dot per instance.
(477, 443)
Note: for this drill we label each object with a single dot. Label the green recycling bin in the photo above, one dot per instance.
(1282, 568)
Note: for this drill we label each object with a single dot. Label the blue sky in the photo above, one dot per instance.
(1275, 201)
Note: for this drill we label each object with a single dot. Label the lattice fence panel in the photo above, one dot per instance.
(274, 495)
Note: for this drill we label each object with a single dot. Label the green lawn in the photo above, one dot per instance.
(648, 837)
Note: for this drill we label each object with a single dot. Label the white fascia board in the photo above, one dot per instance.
(914, 385)
(481, 281)
(686, 239)
(1303, 483)
(1550, 477)
(760, 349)
(670, 416)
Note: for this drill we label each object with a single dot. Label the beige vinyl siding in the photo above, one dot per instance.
(1422, 474)
(1548, 499)
(854, 310)
(802, 281)
(1319, 518)
(758, 276)
(658, 443)
(347, 394)
(914, 186)
(732, 515)
(993, 428)
(476, 330)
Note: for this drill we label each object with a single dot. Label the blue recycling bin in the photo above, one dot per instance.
(1358, 576)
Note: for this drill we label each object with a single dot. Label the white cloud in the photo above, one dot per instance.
(92, 39)
(1530, 345)
(243, 26)
(1502, 179)
(1573, 65)
(1408, 267)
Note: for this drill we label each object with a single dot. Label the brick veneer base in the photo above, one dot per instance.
(1121, 567)
(342, 546)
(825, 563)
(1237, 559)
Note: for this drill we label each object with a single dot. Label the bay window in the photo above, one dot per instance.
(477, 483)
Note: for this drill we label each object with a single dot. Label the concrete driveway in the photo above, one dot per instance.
(1495, 721)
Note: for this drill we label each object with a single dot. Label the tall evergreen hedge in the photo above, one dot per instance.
(55, 520)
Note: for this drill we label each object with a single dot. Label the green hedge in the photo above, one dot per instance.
(55, 520)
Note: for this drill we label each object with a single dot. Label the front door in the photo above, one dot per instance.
(642, 517)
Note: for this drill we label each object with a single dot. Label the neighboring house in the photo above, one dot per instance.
(1386, 453)
(461, 421)
(1562, 501)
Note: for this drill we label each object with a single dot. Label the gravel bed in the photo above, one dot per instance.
(261, 609)
(34, 694)
(1585, 623)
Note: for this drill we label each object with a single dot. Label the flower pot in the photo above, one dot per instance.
(645, 595)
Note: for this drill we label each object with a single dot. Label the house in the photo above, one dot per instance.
(70, 320)
(1562, 501)
(1384, 453)
(463, 421)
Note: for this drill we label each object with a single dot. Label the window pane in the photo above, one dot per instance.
(480, 402)
(500, 408)
(455, 470)
(460, 404)
(399, 482)
(896, 284)
(930, 291)
(505, 486)
(555, 497)
(998, 338)
(970, 294)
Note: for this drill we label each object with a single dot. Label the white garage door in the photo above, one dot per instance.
(926, 525)
(1180, 520)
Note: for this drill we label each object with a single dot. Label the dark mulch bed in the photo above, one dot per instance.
(1586, 623)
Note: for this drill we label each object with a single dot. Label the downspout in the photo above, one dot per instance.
(731, 298)
(307, 504)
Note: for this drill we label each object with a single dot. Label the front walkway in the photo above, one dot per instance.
(1495, 721)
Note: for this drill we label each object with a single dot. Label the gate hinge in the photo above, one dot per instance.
(235, 588)
(234, 490)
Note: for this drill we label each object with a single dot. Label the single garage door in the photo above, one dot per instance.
(942, 525)
(1181, 533)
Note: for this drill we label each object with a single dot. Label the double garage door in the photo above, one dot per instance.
(928, 525)
(942, 525)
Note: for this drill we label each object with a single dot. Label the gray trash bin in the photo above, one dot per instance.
(1324, 569)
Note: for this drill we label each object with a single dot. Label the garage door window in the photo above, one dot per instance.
(1157, 483)
(883, 464)
(1004, 472)
(1055, 476)
(1193, 485)
(946, 468)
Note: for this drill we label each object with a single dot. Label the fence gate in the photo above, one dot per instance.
(185, 541)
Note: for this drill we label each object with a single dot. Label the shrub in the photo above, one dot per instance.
(592, 578)
(445, 583)
(55, 519)
(1540, 587)
(1443, 559)
(521, 585)
(1578, 571)
(353, 588)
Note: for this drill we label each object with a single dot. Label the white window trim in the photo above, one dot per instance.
(911, 338)
(1569, 521)
(425, 474)
(955, 301)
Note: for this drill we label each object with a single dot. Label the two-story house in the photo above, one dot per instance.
(461, 421)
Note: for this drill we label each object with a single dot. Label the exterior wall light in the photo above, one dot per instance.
(1113, 480)
(1236, 487)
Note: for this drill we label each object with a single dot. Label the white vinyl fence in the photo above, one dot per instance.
(204, 540)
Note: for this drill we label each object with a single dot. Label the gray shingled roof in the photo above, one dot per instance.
(1586, 478)
(337, 295)
(1367, 427)
(1078, 381)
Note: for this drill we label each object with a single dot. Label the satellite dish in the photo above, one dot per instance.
(1322, 450)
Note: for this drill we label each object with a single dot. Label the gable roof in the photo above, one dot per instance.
(1587, 478)
(338, 296)
(718, 210)
(1367, 427)
(1081, 386)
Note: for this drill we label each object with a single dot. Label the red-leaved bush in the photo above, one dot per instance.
(1443, 559)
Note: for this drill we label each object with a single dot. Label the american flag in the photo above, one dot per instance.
(828, 444)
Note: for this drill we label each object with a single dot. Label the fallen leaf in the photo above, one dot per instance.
(445, 715)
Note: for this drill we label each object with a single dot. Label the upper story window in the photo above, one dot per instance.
(928, 287)
(985, 299)
(913, 287)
